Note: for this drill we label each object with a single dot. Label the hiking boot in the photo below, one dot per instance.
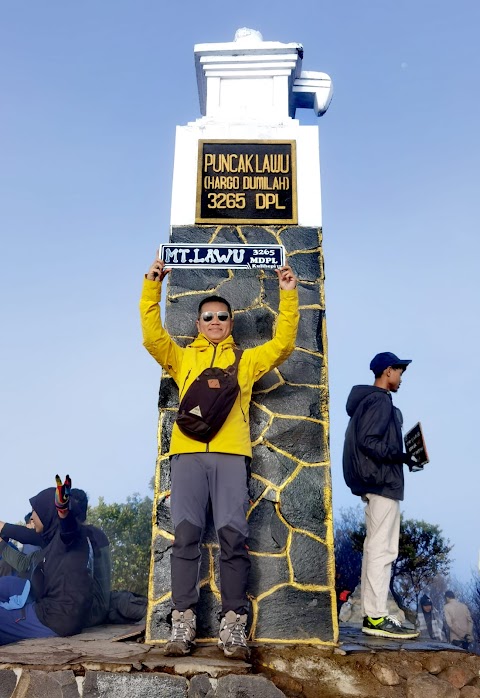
(182, 638)
(233, 638)
(387, 626)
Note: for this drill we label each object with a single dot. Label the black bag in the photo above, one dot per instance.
(208, 401)
(126, 607)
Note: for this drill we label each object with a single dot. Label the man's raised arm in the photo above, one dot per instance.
(156, 339)
(278, 349)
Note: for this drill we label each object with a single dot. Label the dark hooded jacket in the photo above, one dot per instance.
(102, 565)
(61, 582)
(373, 451)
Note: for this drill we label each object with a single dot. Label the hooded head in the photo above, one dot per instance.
(43, 504)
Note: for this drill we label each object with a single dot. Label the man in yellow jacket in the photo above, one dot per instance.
(216, 470)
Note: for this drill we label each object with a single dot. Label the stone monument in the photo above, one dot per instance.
(248, 173)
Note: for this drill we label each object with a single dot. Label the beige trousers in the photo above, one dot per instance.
(380, 549)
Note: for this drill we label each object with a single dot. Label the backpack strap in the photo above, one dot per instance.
(238, 355)
(233, 368)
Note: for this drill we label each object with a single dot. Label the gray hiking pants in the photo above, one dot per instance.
(222, 479)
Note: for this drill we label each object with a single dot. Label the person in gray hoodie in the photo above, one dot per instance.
(373, 459)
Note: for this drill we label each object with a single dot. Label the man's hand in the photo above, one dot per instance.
(286, 278)
(157, 271)
(62, 496)
(412, 463)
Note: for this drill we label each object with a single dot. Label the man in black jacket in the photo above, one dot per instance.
(373, 459)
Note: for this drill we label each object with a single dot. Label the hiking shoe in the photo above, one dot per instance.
(233, 638)
(182, 638)
(387, 626)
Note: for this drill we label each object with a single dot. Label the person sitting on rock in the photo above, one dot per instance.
(24, 562)
(57, 598)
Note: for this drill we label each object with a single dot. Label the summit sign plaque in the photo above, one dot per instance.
(246, 181)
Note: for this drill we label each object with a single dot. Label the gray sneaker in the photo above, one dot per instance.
(233, 637)
(182, 639)
(387, 626)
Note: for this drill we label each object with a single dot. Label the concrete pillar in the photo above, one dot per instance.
(249, 92)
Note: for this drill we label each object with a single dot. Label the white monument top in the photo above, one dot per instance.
(249, 91)
(250, 79)
(248, 36)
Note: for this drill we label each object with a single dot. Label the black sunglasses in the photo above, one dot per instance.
(222, 315)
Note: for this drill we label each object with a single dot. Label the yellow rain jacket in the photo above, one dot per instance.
(184, 364)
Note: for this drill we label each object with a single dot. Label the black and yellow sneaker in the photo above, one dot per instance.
(387, 626)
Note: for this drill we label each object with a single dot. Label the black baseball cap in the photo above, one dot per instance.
(382, 361)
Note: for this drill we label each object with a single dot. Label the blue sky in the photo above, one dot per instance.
(90, 94)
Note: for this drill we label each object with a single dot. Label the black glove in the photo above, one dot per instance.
(412, 462)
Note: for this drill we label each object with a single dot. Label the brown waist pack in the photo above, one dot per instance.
(208, 401)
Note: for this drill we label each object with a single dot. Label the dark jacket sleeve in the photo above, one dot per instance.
(69, 530)
(372, 432)
(22, 534)
(21, 562)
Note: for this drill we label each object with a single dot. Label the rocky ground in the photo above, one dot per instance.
(113, 661)
(308, 673)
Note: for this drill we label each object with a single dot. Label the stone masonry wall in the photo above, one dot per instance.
(291, 539)
(279, 672)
